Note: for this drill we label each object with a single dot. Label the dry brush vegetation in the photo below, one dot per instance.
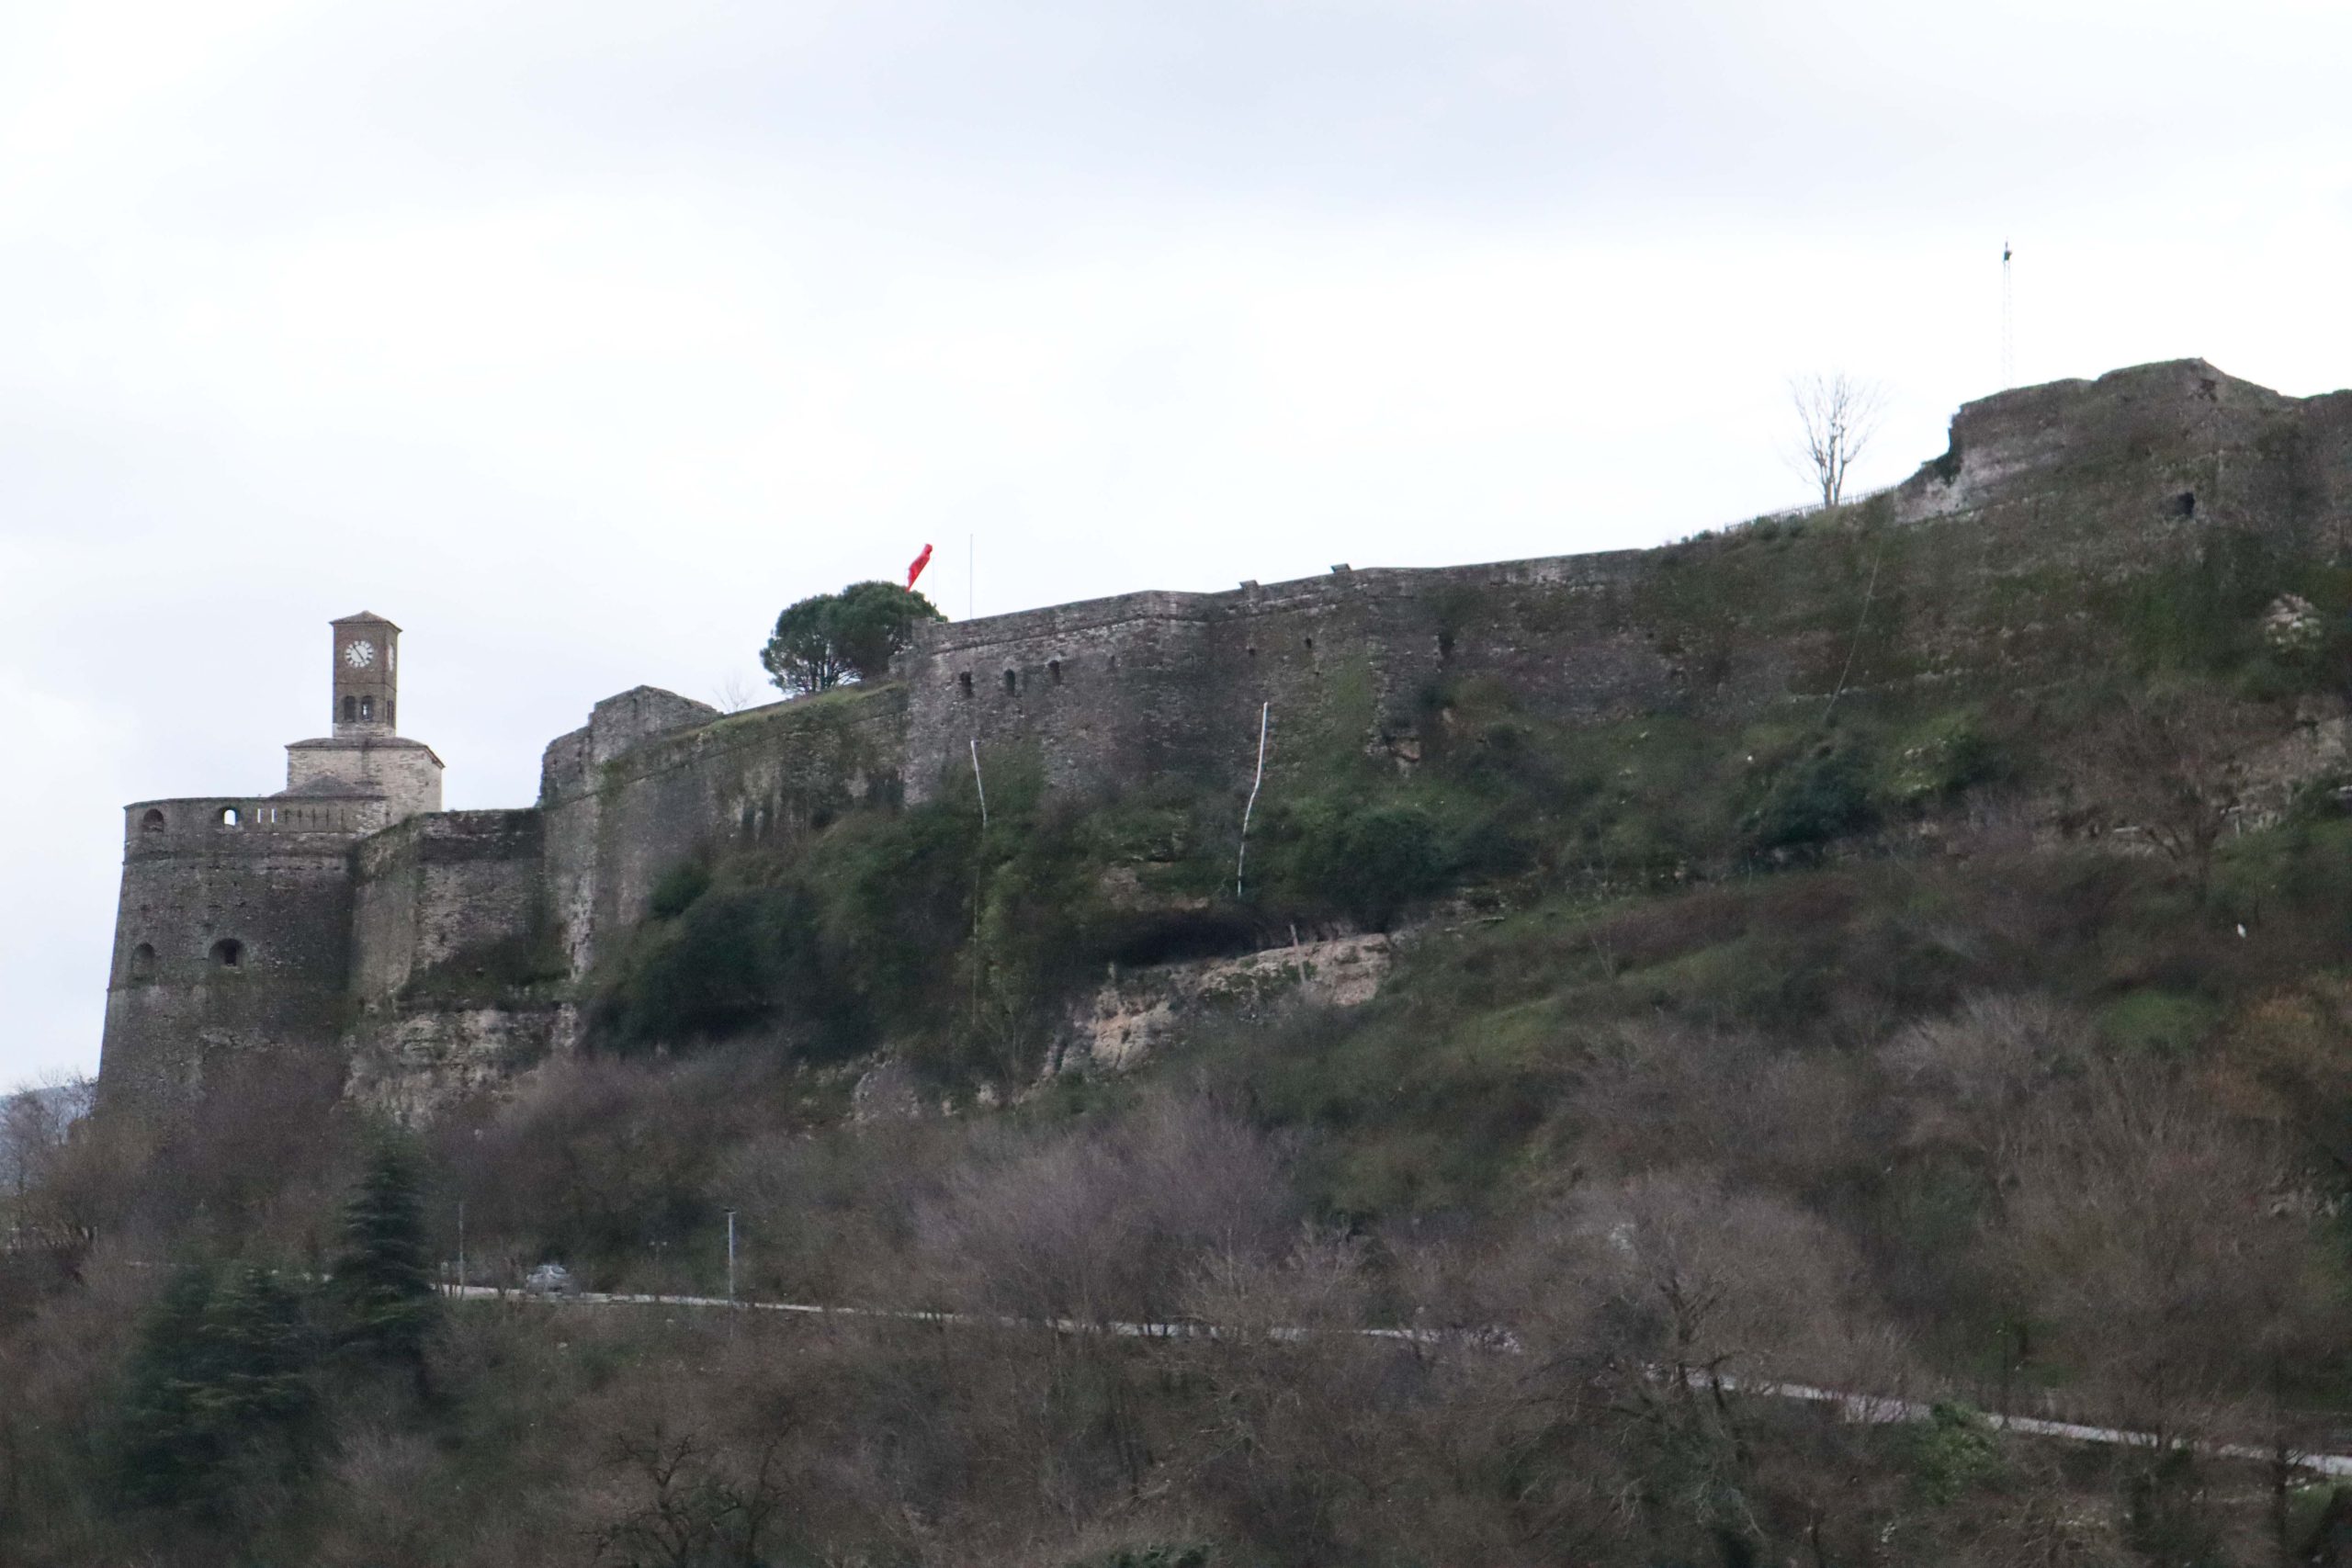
(1980, 1048)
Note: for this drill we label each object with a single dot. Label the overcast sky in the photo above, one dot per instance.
(580, 338)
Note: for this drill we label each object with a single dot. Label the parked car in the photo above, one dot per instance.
(550, 1280)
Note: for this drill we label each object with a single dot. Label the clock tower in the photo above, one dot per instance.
(366, 675)
(363, 757)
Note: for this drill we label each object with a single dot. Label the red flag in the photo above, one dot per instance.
(921, 561)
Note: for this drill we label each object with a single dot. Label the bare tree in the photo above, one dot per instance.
(2160, 1248)
(1103, 1227)
(2172, 762)
(735, 693)
(1837, 416)
(34, 1123)
(689, 1508)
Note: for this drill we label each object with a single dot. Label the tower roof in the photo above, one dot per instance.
(367, 616)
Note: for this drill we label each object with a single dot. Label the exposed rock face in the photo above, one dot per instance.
(1131, 1015)
(413, 1063)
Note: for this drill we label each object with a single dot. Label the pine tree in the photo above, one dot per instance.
(382, 1284)
(165, 1447)
(219, 1383)
(259, 1354)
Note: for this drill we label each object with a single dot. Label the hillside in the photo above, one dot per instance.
(1898, 949)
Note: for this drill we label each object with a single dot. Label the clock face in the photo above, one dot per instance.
(360, 654)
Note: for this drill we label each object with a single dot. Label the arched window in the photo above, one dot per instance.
(1054, 671)
(228, 953)
(964, 682)
(152, 822)
(229, 819)
(389, 705)
(366, 710)
(350, 709)
(1011, 681)
(143, 962)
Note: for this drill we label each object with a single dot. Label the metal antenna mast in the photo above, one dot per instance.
(2008, 323)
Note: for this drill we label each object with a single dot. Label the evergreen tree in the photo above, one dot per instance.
(382, 1284)
(165, 1447)
(219, 1385)
(259, 1352)
(828, 638)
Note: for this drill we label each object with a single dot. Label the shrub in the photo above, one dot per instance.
(710, 977)
(1954, 1453)
(1821, 795)
(1936, 759)
(679, 888)
(1368, 861)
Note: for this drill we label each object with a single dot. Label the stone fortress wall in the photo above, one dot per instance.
(436, 950)
(232, 935)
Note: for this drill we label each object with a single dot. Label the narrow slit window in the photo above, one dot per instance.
(229, 953)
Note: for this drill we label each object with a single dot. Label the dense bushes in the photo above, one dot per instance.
(956, 942)
(828, 951)
(1821, 794)
(1369, 861)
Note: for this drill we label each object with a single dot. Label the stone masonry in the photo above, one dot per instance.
(434, 951)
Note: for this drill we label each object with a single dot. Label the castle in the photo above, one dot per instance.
(434, 951)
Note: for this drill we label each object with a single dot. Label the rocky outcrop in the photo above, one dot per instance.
(1131, 1015)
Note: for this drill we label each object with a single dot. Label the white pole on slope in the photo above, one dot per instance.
(2008, 323)
(976, 784)
(1265, 711)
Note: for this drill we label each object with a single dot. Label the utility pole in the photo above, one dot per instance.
(461, 1248)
